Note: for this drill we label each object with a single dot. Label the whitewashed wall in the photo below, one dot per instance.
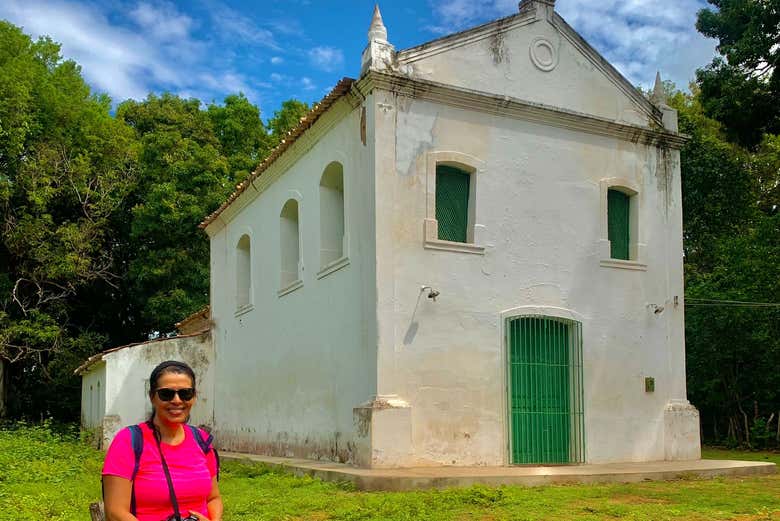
(500, 63)
(123, 377)
(290, 368)
(93, 398)
(539, 215)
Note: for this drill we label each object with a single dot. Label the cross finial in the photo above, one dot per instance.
(377, 31)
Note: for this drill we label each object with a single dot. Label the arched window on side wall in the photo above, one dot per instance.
(289, 246)
(243, 273)
(331, 214)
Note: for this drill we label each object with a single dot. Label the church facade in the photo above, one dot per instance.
(470, 255)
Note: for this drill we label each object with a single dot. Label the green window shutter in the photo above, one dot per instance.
(618, 205)
(452, 203)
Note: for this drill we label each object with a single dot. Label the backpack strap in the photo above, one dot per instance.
(137, 439)
(205, 445)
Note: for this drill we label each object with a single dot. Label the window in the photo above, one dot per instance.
(451, 213)
(618, 223)
(289, 246)
(620, 239)
(332, 214)
(243, 273)
(452, 203)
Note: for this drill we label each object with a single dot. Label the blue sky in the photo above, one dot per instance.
(275, 50)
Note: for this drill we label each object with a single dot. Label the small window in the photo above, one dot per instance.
(243, 272)
(332, 214)
(289, 243)
(619, 223)
(452, 203)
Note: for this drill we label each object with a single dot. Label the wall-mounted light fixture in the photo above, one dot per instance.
(432, 293)
(655, 308)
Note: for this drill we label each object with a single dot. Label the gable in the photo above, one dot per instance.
(534, 59)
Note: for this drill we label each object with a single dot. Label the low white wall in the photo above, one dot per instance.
(93, 398)
(127, 379)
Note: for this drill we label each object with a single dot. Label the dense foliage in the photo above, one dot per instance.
(99, 214)
(741, 88)
(66, 166)
(731, 187)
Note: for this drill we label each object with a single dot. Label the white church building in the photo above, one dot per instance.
(471, 255)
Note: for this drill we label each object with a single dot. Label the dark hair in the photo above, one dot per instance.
(169, 366)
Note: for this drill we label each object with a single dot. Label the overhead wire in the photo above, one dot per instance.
(729, 303)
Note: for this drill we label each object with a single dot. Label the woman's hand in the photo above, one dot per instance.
(200, 516)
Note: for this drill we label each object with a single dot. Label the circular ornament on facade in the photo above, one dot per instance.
(543, 54)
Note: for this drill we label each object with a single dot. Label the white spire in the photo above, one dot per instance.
(658, 96)
(377, 31)
(379, 54)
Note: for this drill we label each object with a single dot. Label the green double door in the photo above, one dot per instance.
(545, 390)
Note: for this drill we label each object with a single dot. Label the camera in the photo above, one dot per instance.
(189, 517)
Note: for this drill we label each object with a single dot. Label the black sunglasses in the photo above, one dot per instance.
(166, 395)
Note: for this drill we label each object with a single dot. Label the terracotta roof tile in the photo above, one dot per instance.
(205, 310)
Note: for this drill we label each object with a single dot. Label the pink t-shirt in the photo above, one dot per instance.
(191, 473)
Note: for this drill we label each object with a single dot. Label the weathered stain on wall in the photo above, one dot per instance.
(284, 444)
(497, 46)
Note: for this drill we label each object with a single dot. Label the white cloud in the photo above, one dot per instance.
(456, 15)
(276, 60)
(113, 59)
(328, 59)
(154, 51)
(234, 26)
(638, 37)
(292, 82)
(162, 21)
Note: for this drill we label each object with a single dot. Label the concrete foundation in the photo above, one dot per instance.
(402, 479)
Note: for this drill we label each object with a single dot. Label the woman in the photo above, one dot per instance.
(144, 495)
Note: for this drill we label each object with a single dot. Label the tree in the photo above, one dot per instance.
(766, 166)
(65, 167)
(240, 131)
(100, 245)
(742, 91)
(285, 119)
(718, 187)
(183, 177)
(731, 243)
(732, 350)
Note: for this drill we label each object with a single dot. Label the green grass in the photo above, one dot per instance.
(45, 475)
